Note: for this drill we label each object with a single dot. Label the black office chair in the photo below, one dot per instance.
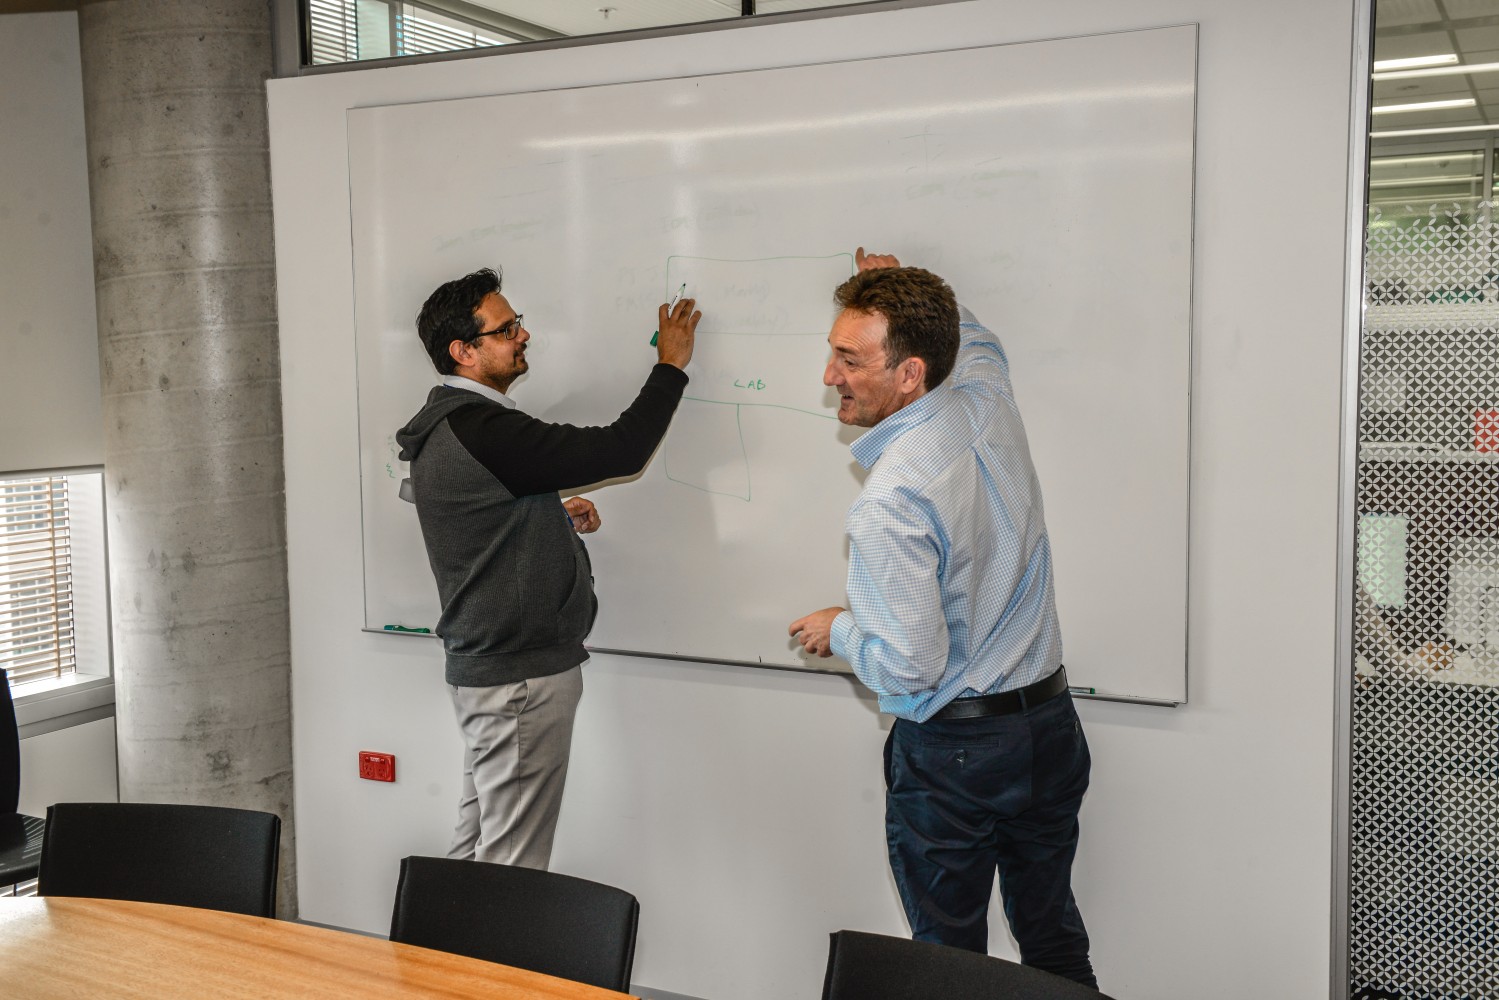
(876, 967)
(203, 856)
(20, 835)
(541, 921)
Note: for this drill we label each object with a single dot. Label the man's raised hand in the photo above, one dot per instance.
(870, 261)
(676, 332)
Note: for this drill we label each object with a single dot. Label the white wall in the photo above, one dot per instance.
(49, 377)
(744, 806)
(76, 764)
(49, 353)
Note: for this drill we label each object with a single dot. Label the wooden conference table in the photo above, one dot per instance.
(58, 946)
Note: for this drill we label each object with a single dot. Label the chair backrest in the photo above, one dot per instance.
(537, 920)
(203, 856)
(10, 750)
(876, 967)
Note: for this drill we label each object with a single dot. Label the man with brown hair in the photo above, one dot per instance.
(953, 623)
(514, 579)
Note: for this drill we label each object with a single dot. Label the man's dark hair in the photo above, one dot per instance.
(920, 310)
(448, 315)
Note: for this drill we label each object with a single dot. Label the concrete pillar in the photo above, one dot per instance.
(179, 177)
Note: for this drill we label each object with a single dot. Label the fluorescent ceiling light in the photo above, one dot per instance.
(1415, 74)
(1470, 154)
(1399, 182)
(1450, 130)
(1390, 109)
(1414, 62)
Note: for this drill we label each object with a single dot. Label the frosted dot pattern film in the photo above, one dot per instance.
(1424, 861)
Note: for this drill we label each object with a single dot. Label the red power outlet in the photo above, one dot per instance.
(377, 766)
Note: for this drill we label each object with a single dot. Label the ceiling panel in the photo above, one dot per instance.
(1421, 89)
(1473, 40)
(1435, 119)
(1407, 28)
(1405, 46)
(1463, 10)
(1400, 12)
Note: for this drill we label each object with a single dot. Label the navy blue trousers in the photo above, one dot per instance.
(971, 797)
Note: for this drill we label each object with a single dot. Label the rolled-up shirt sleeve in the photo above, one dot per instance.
(894, 634)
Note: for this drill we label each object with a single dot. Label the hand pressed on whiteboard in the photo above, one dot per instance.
(585, 516)
(676, 329)
(871, 261)
(815, 631)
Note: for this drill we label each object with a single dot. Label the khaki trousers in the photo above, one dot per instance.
(517, 739)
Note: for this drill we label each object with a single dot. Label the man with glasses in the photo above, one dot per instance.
(513, 577)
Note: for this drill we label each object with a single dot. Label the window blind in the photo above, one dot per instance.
(404, 30)
(334, 31)
(417, 35)
(36, 579)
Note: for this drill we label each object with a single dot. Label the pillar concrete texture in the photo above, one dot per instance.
(179, 178)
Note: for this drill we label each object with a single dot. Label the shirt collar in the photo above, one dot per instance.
(872, 443)
(487, 391)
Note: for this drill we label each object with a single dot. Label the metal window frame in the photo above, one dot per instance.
(292, 53)
(1361, 86)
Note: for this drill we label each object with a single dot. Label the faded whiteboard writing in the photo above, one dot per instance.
(1049, 182)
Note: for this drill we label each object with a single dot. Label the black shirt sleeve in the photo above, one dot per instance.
(530, 456)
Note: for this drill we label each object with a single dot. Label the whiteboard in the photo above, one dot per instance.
(1049, 182)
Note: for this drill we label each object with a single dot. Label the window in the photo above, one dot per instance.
(350, 30)
(52, 590)
(344, 31)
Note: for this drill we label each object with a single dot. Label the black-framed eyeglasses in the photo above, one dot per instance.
(507, 330)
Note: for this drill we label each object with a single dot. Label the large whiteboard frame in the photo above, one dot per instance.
(1041, 246)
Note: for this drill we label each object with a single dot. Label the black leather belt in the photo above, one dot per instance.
(1005, 702)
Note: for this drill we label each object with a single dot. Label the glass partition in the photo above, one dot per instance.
(1423, 865)
(1405, 188)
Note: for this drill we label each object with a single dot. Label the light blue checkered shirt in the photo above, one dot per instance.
(949, 575)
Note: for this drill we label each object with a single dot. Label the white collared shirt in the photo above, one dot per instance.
(487, 391)
(949, 567)
(459, 382)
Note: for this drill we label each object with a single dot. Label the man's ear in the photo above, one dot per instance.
(912, 374)
(460, 351)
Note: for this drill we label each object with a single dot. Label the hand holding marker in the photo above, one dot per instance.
(669, 307)
(676, 329)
